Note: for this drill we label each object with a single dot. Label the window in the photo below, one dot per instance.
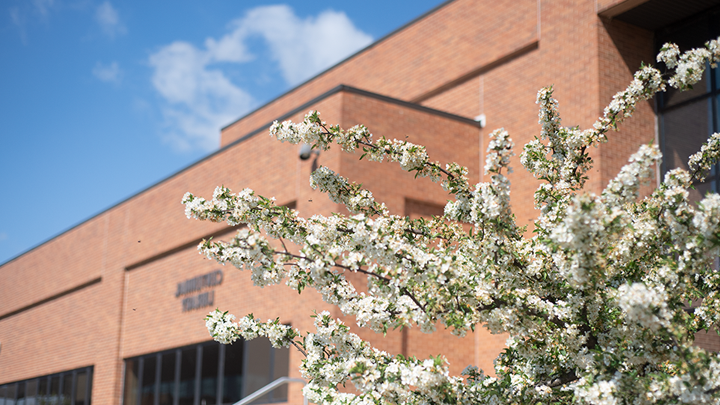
(68, 388)
(206, 374)
(687, 118)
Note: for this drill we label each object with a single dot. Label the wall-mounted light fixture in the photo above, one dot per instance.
(306, 151)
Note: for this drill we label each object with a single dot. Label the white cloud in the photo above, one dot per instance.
(200, 98)
(107, 17)
(108, 73)
(303, 48)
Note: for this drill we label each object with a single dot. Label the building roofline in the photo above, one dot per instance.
(372, 45)
(350, 89)
(285, 116)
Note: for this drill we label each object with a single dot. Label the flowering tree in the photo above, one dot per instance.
(596, 302)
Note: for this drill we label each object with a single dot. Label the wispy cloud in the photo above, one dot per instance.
(107, 17)
(18, 20)
(43, 6)
(200, 98)
(110, 73)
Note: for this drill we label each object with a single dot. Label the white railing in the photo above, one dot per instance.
(264, 390)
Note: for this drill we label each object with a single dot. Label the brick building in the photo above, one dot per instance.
(111, 310)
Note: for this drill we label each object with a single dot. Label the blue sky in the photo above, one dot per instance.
(101, 99)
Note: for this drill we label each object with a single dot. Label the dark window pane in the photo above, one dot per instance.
(66, 395)
(187, 376)
(208, 376)
(147, 388)
(21, 393)
(43, 391)
(31, 388)
(257, 367)
(281, 366)
(167, 379)
(131, 382)
(674, 96)
(3, 390)
(685, 129)
(80, 387)
(89, 383)
(232, 381)
(10, 394)
(54, 390)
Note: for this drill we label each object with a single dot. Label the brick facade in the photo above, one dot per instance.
(104, 291)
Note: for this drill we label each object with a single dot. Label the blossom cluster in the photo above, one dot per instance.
(601, 303)
(224, 330)
(341, 191)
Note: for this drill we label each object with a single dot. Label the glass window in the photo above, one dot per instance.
(688, 118)
(131, 382)
(43, 391)
(281, 365)
(147, 388)
(167, 379)
(209, 374)
(232, 376)
(187, 376)
(31, 388)
(55, 390)
(694, 121)
(20, 396)
(195, 375)
(70, 387)
(81, 385)
(67, 388)
(10, 395)
(257, 367)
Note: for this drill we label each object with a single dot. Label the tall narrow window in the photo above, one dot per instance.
(147, 387)
(55, 390)
(167, 379)
(81, 385)
(67, 388)
(31, 392)
(209, 374)
(187, 376)
(20, 398)
(10, 394)
(43, 391)
(232, 376)
(131, 382)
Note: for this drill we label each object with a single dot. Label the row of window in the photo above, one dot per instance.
(68, 388)
(205, 374)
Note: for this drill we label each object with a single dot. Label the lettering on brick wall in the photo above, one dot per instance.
(196, 284)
